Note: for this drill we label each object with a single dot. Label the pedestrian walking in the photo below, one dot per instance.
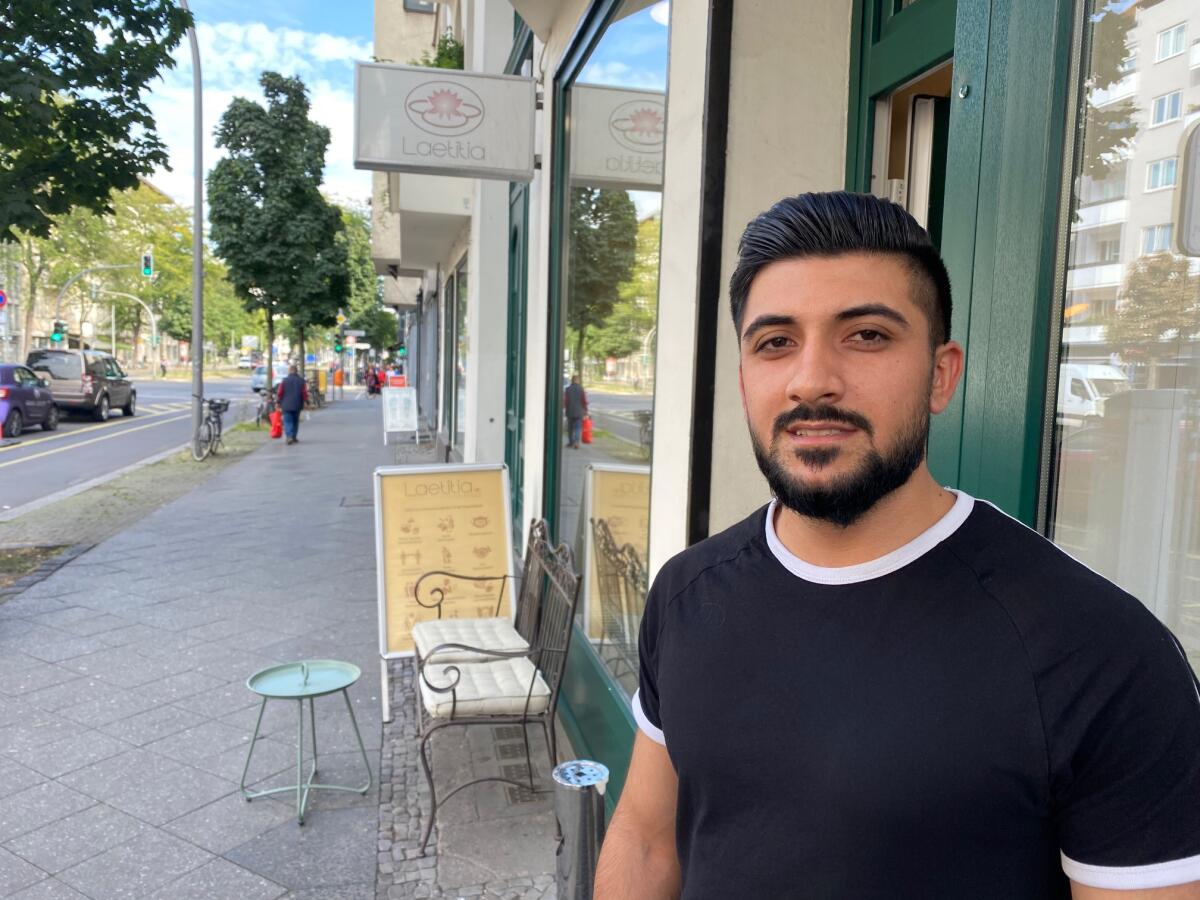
(575, 405)
(293, 397)
(874, 686)
(372, 381)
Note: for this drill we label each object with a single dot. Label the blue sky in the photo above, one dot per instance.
(319, 41)
(633, 52)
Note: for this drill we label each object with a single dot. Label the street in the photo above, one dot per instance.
(40, 463)
(615, 412)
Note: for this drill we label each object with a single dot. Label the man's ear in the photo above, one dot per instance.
(742, 392)
(948, 362)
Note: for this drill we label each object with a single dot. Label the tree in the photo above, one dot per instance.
(1109, 129)
(270, 224)
(366, 311)
(73, 125)
(603, 233)
(1160, 301)
(635, 312)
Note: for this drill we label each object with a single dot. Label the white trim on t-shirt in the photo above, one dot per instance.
(648, 728)
(875, 568)
(1131, 878)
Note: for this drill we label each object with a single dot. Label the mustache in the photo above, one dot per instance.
(821, 412)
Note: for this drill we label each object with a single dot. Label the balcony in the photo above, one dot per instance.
(416, 220)
(1126, 87)
(1114, 212)
(1105, 275)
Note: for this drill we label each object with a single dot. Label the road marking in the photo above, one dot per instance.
(115, 422)
(94, 440)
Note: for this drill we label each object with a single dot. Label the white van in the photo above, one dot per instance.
(1083, 388)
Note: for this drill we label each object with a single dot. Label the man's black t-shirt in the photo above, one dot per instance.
(975, 715)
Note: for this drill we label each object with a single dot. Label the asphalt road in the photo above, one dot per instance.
(41, 463)
(615, 412)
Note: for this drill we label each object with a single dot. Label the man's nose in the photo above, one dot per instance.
(816, 375)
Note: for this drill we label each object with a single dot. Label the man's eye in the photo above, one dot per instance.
(775, 343)
(869, 336)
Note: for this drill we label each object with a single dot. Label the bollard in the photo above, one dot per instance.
(579, 807)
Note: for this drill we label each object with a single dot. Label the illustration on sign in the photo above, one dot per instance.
(617, 137)
(428, 518)
(444, 108)
(639, 125)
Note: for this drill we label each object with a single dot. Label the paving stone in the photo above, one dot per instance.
(171, 794)
(130, 634)
(37, 728)
(271, 757)
(103, 708)
(16, 874)
(49, 889)
(112, 776)
(332, 848)
(15, 777)
(217, 702)
(178, 687)
(220, 878)
(36, 806)
(71, 753)
(152, 725)
(136, 868)
(231, 821)
(70, 693)
(37, 674)
(77, 837)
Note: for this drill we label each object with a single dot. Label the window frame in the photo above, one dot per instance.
(1155, 231)
(1161, 164)
(1181, 27)
(1178, 94)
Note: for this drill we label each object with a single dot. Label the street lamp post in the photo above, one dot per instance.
(197, 236)
(153, 322)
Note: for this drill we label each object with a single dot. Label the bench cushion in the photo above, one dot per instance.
(490, 634)
(493, 688)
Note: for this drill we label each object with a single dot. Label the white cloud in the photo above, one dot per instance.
(232, 57)
(661, 12)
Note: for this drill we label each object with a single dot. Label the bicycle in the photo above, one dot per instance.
(645, 419)
(266, 406)
(208, 438)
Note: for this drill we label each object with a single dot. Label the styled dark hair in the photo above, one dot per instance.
(838, 222)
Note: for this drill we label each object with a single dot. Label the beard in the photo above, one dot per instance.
(845, 499)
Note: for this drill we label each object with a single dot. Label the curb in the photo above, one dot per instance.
(31, 506)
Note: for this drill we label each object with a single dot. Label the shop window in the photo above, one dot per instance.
(612, 213)
(461, 338)
(1122, 485)
(1156, 239)
(1108, 251)
(1171, 42)
(1166, 108)
(1160, 174)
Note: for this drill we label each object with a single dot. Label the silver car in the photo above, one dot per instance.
(258, 380)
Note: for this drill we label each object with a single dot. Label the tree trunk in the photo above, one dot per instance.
(302, 374)
(270, 350)
(579, 352)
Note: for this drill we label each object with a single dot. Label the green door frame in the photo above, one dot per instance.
(514, 400)
(1001, 214)
(594, 711)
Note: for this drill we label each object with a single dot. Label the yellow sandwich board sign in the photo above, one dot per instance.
(444, 518)
(621, 496)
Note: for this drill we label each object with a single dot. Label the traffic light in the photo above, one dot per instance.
(148, 263)
(59, 334)
(402, 352)
(339, 342)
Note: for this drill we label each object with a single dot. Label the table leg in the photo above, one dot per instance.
(253, 741)
(300, 761)
(312, 721)
(362, 748)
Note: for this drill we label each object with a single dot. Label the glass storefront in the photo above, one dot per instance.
(461, 335)
(612, 217)
(1124, 490)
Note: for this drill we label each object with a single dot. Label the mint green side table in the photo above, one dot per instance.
(302, 681)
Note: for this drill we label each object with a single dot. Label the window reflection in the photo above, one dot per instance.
(1126, 487)
(613, 222)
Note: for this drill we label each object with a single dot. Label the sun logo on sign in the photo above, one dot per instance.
(444, 108)
(639, 125)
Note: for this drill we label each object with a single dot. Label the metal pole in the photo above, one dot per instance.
(74, 278)
(197, 348)
(153, 324)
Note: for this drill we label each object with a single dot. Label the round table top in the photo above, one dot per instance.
(308, 678)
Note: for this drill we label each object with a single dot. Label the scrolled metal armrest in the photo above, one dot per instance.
(478, 651)
(440, 593)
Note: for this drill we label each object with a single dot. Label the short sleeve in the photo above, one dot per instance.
(1124, 743)
(645, 700)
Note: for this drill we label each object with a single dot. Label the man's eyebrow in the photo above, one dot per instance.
(766, 321)
(871, 309)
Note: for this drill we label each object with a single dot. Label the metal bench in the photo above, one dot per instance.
(461, 684)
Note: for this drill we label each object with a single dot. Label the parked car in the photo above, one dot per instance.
(258, 380)
(24, 400)
(245, 362)
(85, 381)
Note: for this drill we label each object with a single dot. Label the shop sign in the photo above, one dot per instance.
(444, 519)
(443, 122)
(399, 407)
(1187, 214)
(617, 137)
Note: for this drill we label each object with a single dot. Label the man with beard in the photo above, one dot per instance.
(877, 687)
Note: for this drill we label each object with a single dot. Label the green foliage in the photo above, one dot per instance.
(73, 125)
(1159, 308)
(269, 221)
(365, 310)
(635, 312)
(603, 235)
(1108, 130)
(449, 54)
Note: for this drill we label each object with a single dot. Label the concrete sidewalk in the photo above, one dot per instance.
(124, 716)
